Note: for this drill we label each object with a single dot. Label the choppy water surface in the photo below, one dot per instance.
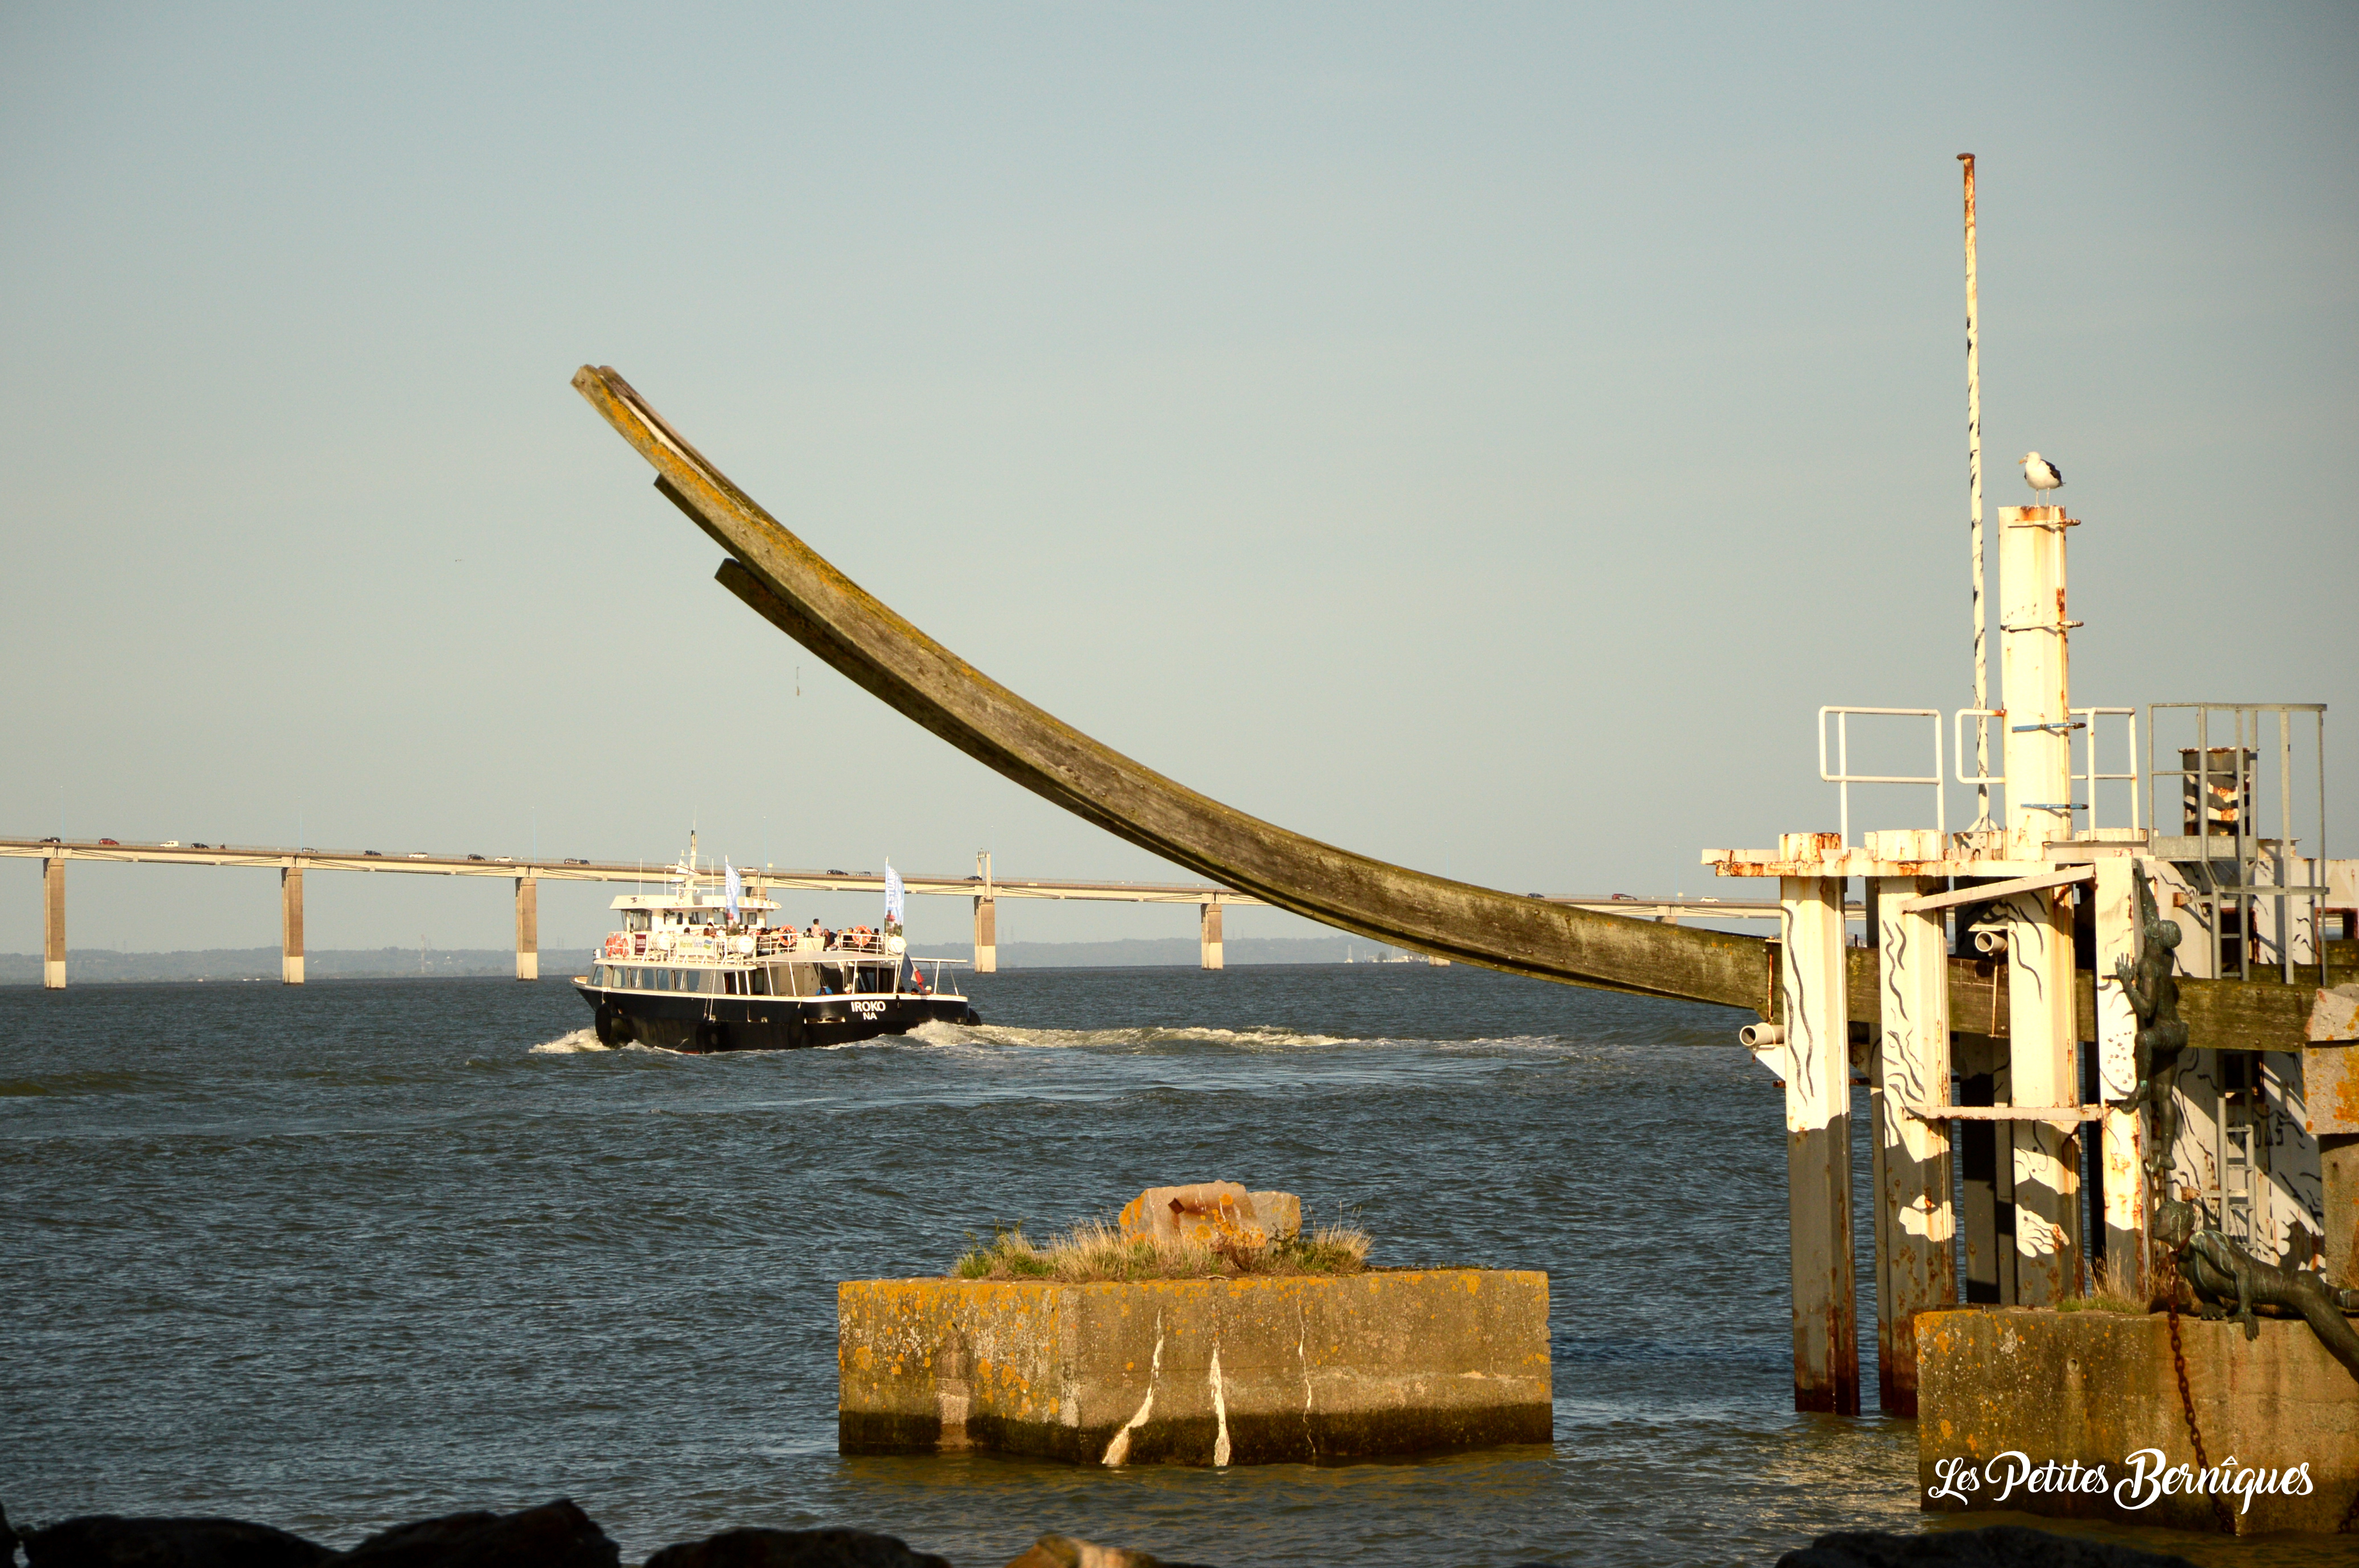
(337, 1256)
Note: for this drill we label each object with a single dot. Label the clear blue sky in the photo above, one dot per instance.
(1479, 436)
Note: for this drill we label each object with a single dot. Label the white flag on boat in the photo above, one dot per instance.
(732, 889)
(892, 893)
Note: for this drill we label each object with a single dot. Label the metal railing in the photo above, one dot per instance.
(2092, 777)
(2081, 719)
(1843, 778)
(2243, 844)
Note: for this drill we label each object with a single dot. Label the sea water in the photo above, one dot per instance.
(337, 1256)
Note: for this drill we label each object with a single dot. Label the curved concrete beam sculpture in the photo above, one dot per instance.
(798, 591)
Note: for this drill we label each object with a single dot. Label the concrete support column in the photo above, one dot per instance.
(1208, 938)
(1817, 1054)
(53, 924)
(986, 936)
(1915, 1224)
(290, 924)
(2040, 1056)
(527, 911)
(2122, 1135)
(2338, 1164)
(2034, 649)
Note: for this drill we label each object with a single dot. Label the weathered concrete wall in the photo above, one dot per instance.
(2096, 1388)
(1245, 1371)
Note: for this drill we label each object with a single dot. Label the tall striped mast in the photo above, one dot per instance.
(1975, 486)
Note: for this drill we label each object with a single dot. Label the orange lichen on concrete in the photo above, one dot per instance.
(1254, 1368)
(2096, 1388)
(1203, 1214)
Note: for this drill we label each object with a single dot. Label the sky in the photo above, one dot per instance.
(1479, 436)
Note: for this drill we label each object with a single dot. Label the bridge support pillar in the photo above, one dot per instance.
(528, 913)
(2122, 1153)
(53, 923)
(986, 936)
(1915, 1222)
(1813, 985)
(2043, 1070)
(1208, 938)
(290, 924)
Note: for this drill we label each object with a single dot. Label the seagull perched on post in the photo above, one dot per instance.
(2040, 473)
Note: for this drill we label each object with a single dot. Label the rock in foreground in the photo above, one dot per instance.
(554, 1535)
(113, 1541)
(795, 1549)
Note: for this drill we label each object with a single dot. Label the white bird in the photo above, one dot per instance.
(2040, 473)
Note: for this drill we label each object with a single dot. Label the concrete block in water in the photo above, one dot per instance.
(1258, 1370)
(2099, 1389)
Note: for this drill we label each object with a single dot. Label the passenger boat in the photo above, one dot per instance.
(700, 967)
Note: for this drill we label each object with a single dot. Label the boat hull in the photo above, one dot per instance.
(700, 1024)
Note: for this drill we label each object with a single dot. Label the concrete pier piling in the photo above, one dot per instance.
(290, 924)
(1915, 1222)
(2041, 1054)
(1817, 1068)
(1208, 939)
(2035, 652)
(527, 929)
(2120, 1153)
(53, 924)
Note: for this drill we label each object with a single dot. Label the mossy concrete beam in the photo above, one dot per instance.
(2098, 1389)
(1218, 1371)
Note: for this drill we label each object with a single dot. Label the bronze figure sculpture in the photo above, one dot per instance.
(2221, 1273)
(2153, 993)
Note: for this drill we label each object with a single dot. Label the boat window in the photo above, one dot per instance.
(635, 920)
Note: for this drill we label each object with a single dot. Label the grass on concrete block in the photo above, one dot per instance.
(1094, 1251)
(2110, 1292)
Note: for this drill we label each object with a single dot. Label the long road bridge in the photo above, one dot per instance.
(983, 887)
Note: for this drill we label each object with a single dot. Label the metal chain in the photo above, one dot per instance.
(2187, 1407)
